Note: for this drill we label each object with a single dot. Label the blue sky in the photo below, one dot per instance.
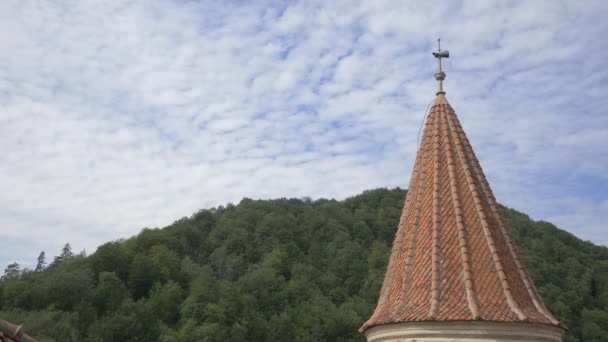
(116, 116)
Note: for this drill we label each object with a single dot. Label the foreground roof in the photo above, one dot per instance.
(10, 332)
(453, 258)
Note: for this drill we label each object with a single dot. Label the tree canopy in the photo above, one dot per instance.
(271, 270)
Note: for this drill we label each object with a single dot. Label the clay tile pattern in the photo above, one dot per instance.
(10, 332)
(453, 258)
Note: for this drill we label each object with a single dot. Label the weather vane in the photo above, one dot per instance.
(440, 75)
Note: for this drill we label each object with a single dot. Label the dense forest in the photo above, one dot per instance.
(270, 270)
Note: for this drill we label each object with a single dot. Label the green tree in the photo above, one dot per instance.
(166, 301)
(112, 257)
(66, 253)
(109, 293)
(41, 262)
(142, 276)
(12, 271)
(595, 325)
(66, 286)
(133, 322)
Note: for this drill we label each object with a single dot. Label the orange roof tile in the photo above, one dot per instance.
(453, 258)
(10, 332)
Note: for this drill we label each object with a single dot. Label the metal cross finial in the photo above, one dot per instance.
(440, 75)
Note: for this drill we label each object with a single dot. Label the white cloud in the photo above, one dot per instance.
(115, 116)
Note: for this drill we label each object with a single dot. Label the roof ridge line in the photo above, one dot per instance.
(489, 240)
(462, 239)
(493, 206)
(435, 267)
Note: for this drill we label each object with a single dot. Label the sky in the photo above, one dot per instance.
(120, 115)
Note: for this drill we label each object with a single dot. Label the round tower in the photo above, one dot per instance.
(454, 273)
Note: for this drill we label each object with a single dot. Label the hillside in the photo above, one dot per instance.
(271, 270)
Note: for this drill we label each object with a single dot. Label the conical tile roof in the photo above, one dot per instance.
(453, 258)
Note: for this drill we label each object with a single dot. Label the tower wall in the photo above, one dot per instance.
(464, 332)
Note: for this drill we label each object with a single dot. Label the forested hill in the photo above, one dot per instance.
(271, 270)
